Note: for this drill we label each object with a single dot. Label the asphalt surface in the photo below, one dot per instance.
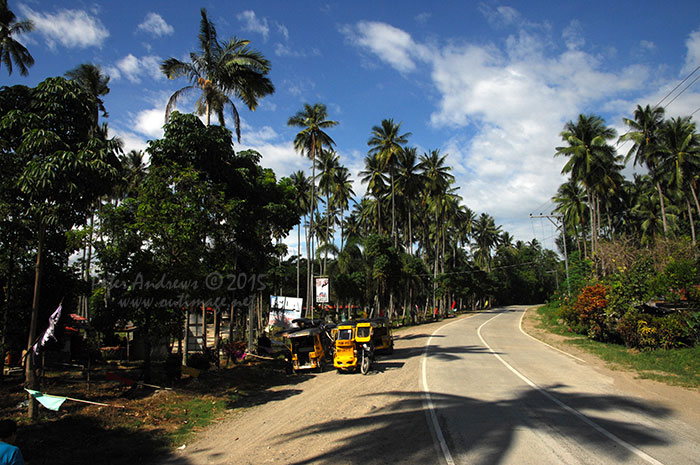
(501, 397)
(470, 390)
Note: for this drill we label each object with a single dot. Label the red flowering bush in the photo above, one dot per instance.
(590, 308)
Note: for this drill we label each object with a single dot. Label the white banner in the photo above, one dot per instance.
(284, 310)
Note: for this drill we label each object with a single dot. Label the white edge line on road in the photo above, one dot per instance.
(542, 342)
(428, 401)
(582, 417)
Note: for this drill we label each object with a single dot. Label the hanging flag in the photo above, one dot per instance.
(50, 332)
(453, 305)
(50, 402)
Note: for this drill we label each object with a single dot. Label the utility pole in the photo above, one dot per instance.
(566, 255)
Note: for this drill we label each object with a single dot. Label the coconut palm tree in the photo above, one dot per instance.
(303, 200)
(436, 174)
(327, 162)
(309, 141)
(341, 195)
(570, 202)
(219, 71)
(386, 143)
(486, 236)
(92, 79)
(644, 133)
(587, 148)
(373, 175)
(409, 183)
(11, 50)
(680, 159)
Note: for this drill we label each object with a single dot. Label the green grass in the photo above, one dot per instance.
(680, 367)
(194, 414)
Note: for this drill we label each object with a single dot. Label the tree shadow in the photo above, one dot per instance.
(449, 353)
(410, 337)
(40, 445)
(483, 430)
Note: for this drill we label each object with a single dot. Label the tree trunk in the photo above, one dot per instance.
(393, 216)
(663, 208)
(298, 253)
(690, 218)
(31, 379)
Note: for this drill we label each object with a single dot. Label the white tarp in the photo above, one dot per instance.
(283, 310)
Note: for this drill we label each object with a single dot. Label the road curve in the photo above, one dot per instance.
(500, 397)
(472, 390)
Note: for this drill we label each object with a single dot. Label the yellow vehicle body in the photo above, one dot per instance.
(382, 338)
(345, 357)
(306, 349)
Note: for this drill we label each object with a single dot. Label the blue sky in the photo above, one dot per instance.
(490, 84)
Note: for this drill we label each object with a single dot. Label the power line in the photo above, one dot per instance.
(684, 89)
(679, 84)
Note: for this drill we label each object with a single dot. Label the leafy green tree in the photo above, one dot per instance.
(66, 169)
(11, 50)
(219, 71)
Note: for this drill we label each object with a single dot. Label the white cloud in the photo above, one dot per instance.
(512, 100)
(573, 35)
(282, 29)
(155, 25)
(134, 68)
(692, 58)
(500, 16)
(150, 122)
(390, 44)
(253, 23)
(70, 28)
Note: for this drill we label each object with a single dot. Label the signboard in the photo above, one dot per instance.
(322, 290)
(284, 310)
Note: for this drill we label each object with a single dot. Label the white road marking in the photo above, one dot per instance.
(561, 404)
(542, 342)
(427, 400)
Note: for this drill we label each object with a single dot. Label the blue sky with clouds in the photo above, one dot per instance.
(489, 83)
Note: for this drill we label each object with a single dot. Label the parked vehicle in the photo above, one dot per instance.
(345, 358)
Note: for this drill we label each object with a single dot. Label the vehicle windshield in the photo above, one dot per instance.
(363, 331)
(345, 334)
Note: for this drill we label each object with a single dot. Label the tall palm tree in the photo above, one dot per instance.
(303, 199)
(309, 141)
(342, 193)
(220, 70)
(10, 49)
(373, 175)
(587, 149)
(386, 143)
(436, 174)
(570, 201)
(327, 162)
(91, 78)
(486, 236)
(680, 159)
(644, 133)
(409, 184)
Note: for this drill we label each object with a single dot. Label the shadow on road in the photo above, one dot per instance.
(398, 433)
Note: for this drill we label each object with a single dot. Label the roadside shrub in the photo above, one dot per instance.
(590, 308)
(672, 331)
(626, 328)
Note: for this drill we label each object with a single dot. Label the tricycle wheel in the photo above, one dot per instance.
(364, 367)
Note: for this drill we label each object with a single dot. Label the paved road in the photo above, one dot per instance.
(500, 397)
(474, 390)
